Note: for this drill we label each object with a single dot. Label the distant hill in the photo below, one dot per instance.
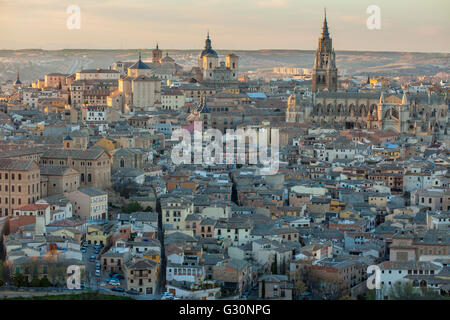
(34, 63)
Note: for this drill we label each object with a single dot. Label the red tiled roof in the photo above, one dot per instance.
(34, 207)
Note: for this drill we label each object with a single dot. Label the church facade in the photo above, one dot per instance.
(217, 73)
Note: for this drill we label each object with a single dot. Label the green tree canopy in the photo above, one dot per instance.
(133, 206)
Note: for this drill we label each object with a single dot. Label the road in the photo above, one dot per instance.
(92, 280)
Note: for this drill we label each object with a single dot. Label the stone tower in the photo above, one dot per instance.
(157, 55)
(324, 74)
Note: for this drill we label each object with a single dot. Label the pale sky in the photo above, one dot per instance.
(406, 25)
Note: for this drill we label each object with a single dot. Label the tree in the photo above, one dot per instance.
(35, 282)
(263, 289)
(274, 267)
(19, 280)
(405, 291)
(370, 295)
(320, 286)
(2, 274)
(301, 277)
(300, 286)
(283, 266)
(44, 282)
(133, 206)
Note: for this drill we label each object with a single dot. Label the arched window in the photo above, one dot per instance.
(210, 65)
(89, 177)
(122, 163)
(82, 177)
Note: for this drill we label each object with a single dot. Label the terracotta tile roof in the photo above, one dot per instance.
(34, 207)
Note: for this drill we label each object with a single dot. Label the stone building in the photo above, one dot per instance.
(60, 179)
(19, 184)
(138, 89)
(415, 114)
(421, 114)
(215, 73)
(93, 165)
(130, 158)
(324, 73)
(141, 275)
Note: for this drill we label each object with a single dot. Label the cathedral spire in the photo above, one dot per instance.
(17, 83)
(325, 72)
(325, 33)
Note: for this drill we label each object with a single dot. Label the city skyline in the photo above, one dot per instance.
(254, 25)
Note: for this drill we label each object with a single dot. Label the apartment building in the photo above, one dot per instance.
(141, 275)
(19, 184)
(89, 203)
(175, 211)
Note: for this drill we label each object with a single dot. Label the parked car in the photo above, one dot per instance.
(133, 292)
(118, 276)
(167, 296)
(118, 289)
(83, 250)
(92, 258)
(97, 272)
(98, 264)
(114, 282)
(84, 285)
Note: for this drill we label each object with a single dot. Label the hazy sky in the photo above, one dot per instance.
(406, 25)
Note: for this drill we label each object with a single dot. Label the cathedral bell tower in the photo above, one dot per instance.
(324, 74)
(157, 55)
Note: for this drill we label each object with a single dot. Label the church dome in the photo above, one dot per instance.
(167, 59)
(140, 64)
(208, 49)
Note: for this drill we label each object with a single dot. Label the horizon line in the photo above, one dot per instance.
(279, 49)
